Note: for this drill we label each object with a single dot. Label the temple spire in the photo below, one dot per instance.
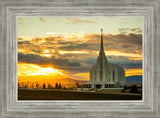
(101, 49)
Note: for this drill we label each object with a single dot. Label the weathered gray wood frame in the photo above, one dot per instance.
(11, 107)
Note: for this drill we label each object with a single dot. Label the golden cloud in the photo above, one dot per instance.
(42, 19)
(77, 56)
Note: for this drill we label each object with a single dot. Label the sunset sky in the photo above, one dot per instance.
(67, 47)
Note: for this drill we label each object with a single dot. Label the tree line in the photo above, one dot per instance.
(43, 86)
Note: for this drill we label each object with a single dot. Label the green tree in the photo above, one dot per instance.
(37, 85)
(49, 86)
(56, 86)
(44, 86)
(77, 84)
(59, 86)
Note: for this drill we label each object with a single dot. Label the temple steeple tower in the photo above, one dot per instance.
(101, 52)
(101, 59)
(101, 48)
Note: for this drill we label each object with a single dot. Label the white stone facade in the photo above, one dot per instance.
(105, 74)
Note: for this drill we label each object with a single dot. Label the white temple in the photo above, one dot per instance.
(105, 74)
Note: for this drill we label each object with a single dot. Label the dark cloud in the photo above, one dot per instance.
(36, 50)
(130, 30)
(129, 44)
(62, 42)
(125, 62)
(53, 39)
(75, 64)
(132, 65)
(33, 59)
(36, 40)
(60, 63)
(125, 46)
(23, 42)
(30, 47)
(91, 60)
(79, 46)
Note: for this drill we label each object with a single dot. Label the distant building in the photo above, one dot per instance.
(105, 74)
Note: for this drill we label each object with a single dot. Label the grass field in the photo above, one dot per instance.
(53, 94)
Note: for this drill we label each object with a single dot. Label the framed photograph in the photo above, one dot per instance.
(71, 58)
(79, 58)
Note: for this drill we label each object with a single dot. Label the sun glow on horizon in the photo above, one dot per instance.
(46, 55)
(32, 69)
